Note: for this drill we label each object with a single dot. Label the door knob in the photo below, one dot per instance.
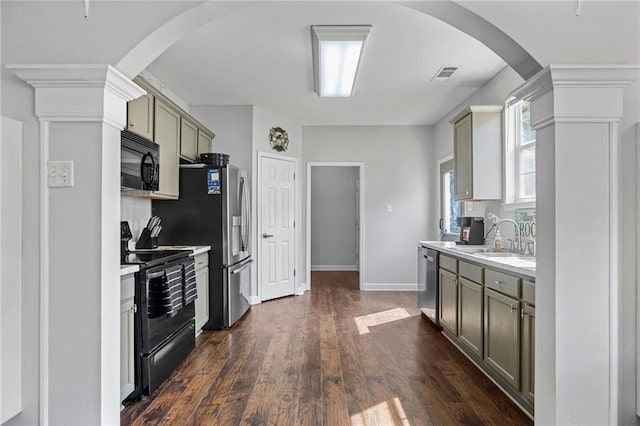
(265, 235)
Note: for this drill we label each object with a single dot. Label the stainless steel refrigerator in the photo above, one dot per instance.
(214, 209)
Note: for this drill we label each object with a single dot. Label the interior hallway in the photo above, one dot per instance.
(306, 360)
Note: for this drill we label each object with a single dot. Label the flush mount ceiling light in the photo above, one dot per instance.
(337, 50)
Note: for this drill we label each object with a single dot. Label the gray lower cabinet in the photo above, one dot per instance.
(202, 285)
(528, 315)
(470, 315)
(502, 336)
(127, 359)
(448, 301)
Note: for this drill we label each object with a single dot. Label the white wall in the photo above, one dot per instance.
(398, 171)
(334, 218)
(11, 269)
(233, 126)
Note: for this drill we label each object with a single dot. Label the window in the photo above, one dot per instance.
(520, 154)
(450, 208)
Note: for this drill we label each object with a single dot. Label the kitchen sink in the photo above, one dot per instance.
(475, 250)
(505, 254)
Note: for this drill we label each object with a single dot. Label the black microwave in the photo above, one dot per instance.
(139, 163)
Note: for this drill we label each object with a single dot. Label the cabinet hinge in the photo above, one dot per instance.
(294, 175)
(294, 272)
(294, 223)
(135, 308)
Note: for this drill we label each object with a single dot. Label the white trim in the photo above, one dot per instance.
(444, 159)
(254, 300)
(361, 252)
(637, 126)
(44, 275)
(615, 168)
(300, 289)
(390, 287)
(296, 213)
(334, 267)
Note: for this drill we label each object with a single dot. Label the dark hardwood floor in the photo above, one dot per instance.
(302, 360)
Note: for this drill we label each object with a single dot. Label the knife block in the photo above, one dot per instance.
(146, 241)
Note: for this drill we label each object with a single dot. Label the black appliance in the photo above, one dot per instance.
(161, 341)
(471, 230)
(139, 163)
(428, 260)
(214, 210)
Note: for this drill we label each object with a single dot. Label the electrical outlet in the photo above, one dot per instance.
(60, 174)
(389, 208)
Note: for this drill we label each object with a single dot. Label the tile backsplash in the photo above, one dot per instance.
(137, 212)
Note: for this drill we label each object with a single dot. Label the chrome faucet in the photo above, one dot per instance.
(517, 234)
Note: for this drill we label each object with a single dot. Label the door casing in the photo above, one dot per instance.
(361, 252)
(296, 238)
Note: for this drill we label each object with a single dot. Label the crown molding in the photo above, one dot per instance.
(576, 76)
(79, 92)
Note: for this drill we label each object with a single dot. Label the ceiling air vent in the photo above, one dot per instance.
(444, 73)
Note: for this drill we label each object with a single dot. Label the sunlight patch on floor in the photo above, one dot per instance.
(381, 414)
(365, 321)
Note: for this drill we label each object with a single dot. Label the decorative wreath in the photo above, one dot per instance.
(279, 139)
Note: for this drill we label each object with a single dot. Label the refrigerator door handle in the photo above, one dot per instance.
(241, 267)
(244, 220)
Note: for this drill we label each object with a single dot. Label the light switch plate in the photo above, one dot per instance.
(389, 208)
(59, 174)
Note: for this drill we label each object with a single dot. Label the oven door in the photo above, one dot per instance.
(157, 328)
(238, 282)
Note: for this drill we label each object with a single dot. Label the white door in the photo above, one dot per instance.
(276, 230)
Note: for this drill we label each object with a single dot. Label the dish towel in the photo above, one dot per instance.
(172, 291)
(189, 289)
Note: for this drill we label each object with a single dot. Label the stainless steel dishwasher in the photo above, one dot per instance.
(428, 283)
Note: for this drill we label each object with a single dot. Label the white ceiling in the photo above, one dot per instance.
(262, 56)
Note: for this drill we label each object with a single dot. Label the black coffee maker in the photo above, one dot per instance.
(471, 230)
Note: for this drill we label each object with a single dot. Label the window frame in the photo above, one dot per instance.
(446, 165)
(514, 149)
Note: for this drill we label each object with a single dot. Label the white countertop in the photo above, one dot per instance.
(525, 267)
(195, 249)
(128, 269)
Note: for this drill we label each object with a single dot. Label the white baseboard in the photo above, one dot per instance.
(390, 286)
(301, 289)
(334, 268)
(254, 300)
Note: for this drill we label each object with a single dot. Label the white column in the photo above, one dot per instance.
(575, 111)
(82, 109)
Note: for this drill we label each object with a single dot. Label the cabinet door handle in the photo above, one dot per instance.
(513, 308)
(265, 235)
(522, 314)
(132, 124)
(498, 282)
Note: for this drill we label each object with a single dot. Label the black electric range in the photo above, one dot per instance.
(151, 258)
(161, 341)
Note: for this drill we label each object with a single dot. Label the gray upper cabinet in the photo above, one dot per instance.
(477, 151)
(167, 135)
(204, 141)
(188, 139)
(140, 116)
(470, 315)
(502, 336)
(448, 301)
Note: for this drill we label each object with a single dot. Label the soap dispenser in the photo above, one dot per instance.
(497, 242)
